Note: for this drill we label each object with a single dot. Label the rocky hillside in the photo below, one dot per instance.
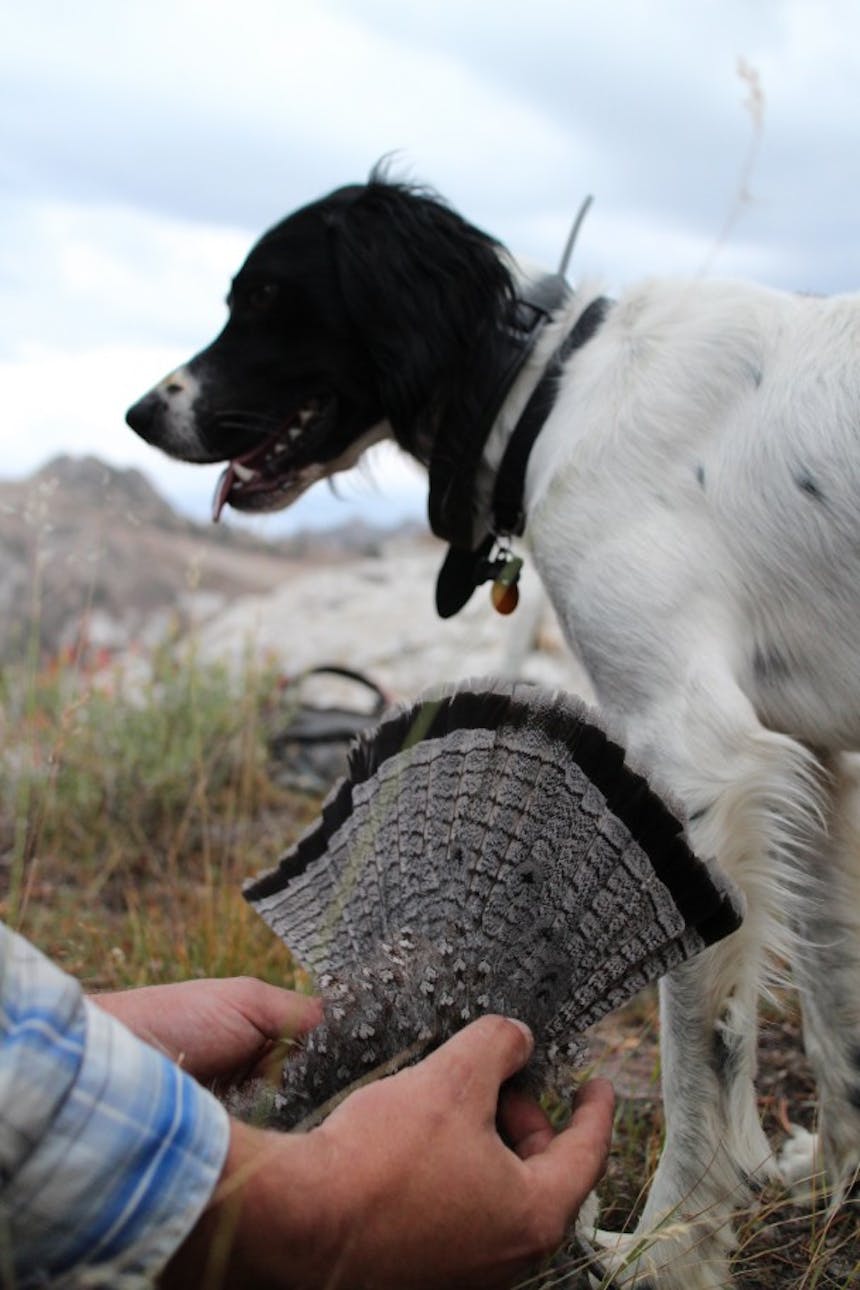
(378, 615)
(89, 552)
(93, 557)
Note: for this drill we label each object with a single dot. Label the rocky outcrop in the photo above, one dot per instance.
(90, 552)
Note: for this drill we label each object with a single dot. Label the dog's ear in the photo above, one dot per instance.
(422, 289)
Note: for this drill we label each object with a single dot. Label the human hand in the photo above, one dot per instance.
(409, 1184)
(217, 1030)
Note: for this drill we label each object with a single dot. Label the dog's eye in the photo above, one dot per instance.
(262, 297)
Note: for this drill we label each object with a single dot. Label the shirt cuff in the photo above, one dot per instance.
(123, 1173)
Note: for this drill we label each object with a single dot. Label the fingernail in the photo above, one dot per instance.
(521, 1025)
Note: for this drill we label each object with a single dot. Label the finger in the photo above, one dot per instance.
(523, 1124)
(278, 1013)
(575, 1160)
(594, 1092)
(269, 1064)
(481, 1057)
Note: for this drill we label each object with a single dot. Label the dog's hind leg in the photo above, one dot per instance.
(826, 966)
(753, 802)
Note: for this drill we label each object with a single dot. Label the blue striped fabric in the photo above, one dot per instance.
(108, 1151)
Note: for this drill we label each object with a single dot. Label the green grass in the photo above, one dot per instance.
(131, 811)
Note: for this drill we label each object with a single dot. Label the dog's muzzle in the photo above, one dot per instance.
(146, 416)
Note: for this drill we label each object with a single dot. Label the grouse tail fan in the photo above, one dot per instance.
(489, 850)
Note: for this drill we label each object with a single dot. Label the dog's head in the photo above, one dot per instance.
(358, 316)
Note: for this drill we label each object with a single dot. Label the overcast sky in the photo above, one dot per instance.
(147, 143)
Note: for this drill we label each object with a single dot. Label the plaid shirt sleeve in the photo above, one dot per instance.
(108, 1151)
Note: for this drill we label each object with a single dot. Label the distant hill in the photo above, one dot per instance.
(91, 552)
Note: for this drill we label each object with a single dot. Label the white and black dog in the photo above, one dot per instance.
(685, 464)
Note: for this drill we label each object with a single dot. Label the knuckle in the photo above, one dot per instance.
(458, 1072)
(464, 1061)
(245, 985)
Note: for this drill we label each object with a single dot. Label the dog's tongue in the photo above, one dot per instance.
(222, 491)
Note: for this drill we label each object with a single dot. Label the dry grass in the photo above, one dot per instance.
(129, 816)
(780, 1246)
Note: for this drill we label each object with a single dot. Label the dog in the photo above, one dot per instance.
(683, 462)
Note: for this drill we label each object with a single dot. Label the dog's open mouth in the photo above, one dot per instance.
(271, 475)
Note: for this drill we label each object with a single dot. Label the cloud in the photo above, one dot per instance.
(77, 275)
(197, 110)
(144, 147)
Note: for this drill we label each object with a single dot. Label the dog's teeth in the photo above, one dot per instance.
(243, 472)
(305, 415)
(295, 433)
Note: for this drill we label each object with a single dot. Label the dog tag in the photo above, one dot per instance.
(504, 593)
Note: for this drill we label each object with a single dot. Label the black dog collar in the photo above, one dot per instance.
(508, 514)
(465, 569)
(458, 448)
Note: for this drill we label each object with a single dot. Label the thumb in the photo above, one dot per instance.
(482, 1056)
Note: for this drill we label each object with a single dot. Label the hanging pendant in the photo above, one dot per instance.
(504, 593)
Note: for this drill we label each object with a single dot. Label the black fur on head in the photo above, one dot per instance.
(426, 293)
(375, 304)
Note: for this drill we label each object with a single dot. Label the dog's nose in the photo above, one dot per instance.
(143, 415)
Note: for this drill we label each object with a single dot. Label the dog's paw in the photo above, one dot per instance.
(814, 1175)
(589, 1212)
(800, 1167)
(678, 1256)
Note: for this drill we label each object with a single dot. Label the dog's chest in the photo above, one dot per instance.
(670, 516)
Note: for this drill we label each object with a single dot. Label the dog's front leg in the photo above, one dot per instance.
(715, 1153)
